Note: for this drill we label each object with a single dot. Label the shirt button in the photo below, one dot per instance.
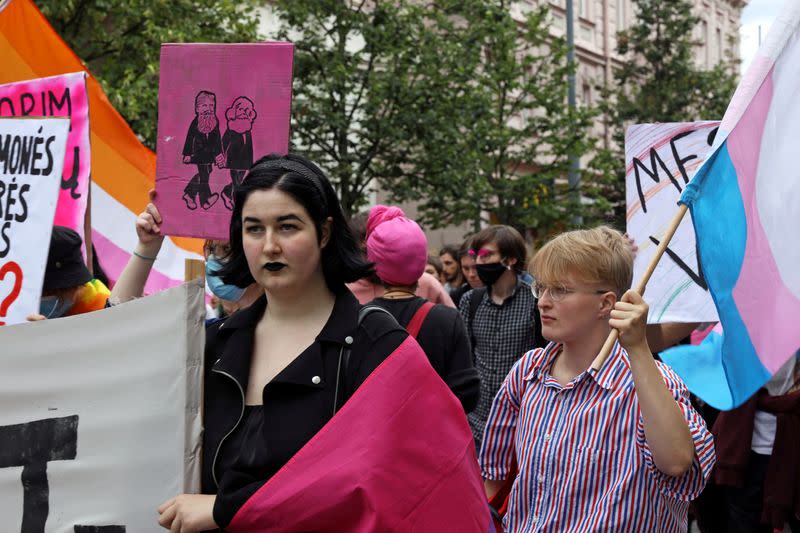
(535, 517)
(540, 478)
(348, 340)
(547, 437)
(316, 380)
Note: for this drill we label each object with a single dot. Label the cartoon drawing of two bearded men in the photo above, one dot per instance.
(205, 147)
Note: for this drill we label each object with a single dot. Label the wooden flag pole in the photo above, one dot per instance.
(612, 337)
(193, 269)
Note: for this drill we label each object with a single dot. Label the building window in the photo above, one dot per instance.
(620, 15)
(583, 8)
(719, 45)
(705, 42)
(586, 94)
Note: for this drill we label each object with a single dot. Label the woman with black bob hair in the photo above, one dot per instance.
(274, 372)
(342, 259)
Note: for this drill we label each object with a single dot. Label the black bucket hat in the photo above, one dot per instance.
(65, 266)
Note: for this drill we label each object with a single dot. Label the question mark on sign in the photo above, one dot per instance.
(14, 268)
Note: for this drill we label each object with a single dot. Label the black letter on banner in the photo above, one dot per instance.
(32, 446)
(31, 100)
(697, 278)
(72, 182)
(99, 529)
(678, 159)
(49, 168)
(655, 161)
(59, 104)
(7, 100)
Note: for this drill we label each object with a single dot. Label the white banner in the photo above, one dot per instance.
(31, 160)
(100, 415)
(660, 159)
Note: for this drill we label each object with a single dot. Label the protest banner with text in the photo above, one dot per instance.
(59, 96)
(31, 160)
(100, 419)
(660, 160)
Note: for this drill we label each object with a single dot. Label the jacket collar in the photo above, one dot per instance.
(240, 329)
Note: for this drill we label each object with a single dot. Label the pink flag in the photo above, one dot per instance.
(398, 456)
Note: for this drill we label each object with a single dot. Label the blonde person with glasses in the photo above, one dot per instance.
(617, 449)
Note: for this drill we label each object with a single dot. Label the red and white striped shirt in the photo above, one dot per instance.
(584, 463)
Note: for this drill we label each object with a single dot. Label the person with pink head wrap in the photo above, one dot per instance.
(399, 249)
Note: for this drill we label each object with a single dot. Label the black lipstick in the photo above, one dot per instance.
(274, 267)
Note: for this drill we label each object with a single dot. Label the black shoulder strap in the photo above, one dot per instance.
(474, 301)
(344, 354)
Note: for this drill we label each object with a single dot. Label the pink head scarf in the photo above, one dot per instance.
(396, 245)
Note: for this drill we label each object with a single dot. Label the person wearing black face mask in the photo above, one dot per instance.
(501, 318)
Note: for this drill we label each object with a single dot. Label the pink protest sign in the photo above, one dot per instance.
(220, 108)
(59, 96)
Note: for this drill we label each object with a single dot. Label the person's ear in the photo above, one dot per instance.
(511, 261)
(607, 302)
(327, 227)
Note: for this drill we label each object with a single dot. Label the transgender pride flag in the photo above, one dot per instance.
(745, 204)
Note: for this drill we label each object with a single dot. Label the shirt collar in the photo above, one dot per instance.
(519, 284)
(545, 361)
(607, 377)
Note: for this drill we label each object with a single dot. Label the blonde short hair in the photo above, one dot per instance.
(600, 255)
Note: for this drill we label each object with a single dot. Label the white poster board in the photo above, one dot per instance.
(660, 159)
(100, 415)
(31, 161)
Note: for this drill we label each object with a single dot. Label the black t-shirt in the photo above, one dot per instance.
(444, 340)
(297, 402)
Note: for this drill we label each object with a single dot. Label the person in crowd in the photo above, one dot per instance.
(68, 288)
(293, 363)
(228, 298)
(614, 449)
(434, 267)
(501, 318)
(370, 287)
(451, 269)
(397, 247)
(466, 265)
(758, 451)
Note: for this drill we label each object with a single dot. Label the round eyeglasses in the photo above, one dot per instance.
(559, 292)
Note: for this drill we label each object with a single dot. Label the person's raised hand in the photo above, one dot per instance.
(148, 226)
(35, 317)
(629, 318)
(188, 513)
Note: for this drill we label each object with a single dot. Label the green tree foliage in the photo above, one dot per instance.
(516, 131)
(119, 41)
(659, 82)
(371, 86)
(453, 104)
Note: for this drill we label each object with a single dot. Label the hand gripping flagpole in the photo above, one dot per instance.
(612, 337)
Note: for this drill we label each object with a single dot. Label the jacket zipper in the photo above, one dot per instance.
(222, 441)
